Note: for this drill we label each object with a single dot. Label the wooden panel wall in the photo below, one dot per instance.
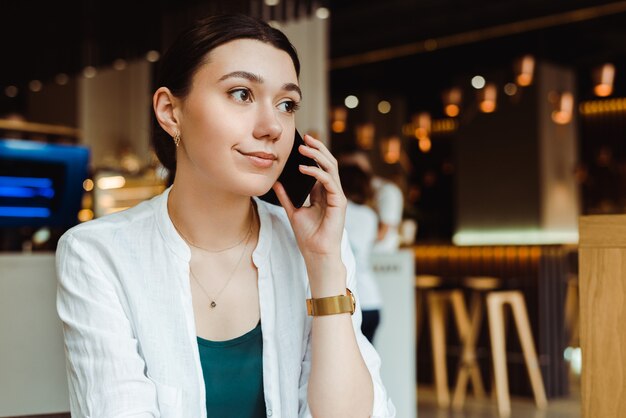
(603, 315)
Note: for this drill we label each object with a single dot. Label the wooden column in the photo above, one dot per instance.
(602, 282)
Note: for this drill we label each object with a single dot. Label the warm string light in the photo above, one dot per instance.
(563, 107)
(391, 149)
(487, 97)
(452, 102)
(338, 124)
(525, 69)
(365, 135)
(421, 125)
(603, 78)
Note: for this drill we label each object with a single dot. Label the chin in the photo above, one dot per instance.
(258, 186)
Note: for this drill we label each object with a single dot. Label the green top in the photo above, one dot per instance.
(233, 375)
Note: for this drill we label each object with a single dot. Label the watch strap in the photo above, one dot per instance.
(332, 305)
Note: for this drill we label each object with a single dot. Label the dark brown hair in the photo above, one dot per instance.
(356, 183)
(191, 50)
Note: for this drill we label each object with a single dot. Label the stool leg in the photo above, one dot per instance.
(468, 367)
(419, 297)
(476, 320)
(528, 347)
(438, 337)
(498, 350)
(464, 329)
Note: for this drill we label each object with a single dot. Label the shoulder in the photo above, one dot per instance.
(363, 212)
(130, 222)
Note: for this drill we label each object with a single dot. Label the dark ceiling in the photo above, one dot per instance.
(41, 39)
(472, 37)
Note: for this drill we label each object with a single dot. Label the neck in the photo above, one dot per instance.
(209, 218)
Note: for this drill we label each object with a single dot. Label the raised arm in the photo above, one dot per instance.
(340, 383)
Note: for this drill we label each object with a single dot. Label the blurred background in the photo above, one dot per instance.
(501, 121)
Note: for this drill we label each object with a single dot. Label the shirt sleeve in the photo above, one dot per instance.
(383, 407)
(105, 371)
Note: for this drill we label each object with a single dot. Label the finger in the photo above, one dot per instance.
(284, 200)
(319, 145)
(319, 158)
(334, 193)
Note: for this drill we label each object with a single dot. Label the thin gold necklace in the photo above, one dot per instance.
(213, 300)
(188, 241)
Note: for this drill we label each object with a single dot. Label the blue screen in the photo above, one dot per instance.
(41, 184)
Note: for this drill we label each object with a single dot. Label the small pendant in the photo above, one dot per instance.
(213, 304)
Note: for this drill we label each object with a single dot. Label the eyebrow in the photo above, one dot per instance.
(255, 78)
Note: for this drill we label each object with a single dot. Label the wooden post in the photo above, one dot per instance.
(602, 283)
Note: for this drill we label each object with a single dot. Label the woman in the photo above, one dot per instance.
(362, 228)
(193, 303)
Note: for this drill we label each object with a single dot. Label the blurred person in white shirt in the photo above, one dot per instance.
(388, 202)
(362, 227)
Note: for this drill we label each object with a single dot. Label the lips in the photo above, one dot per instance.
(260, 154)
(260, 159)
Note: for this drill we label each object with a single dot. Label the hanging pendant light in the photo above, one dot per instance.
(603, 78)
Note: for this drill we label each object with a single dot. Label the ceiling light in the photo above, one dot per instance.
(322, 13)
(603, 80)
(563, 108)
(153, 56)
(478, 82)
(90, 72)
(451, 101)
(351, 101)
(425, 145)
(11, 91)
(61, 79)
(119, 64)
(525, 68)
(272, 2)
(510, 89)
(391, 149)
(384, 107)
(487, 98)
(340, 114)
(422, 125)
(35, 86)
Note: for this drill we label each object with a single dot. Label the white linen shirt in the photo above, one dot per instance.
(130, 337)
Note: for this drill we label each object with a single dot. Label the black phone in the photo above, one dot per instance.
(297, 185)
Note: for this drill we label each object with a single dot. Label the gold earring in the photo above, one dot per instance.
(177, 138)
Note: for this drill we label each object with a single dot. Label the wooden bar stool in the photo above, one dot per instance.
(495, 301)
(437, 300)
(495, 304)
(468, 364)
(423, 284)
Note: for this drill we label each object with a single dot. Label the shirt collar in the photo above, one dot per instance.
(169, 233)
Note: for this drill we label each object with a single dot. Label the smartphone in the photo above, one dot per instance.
(297, 185)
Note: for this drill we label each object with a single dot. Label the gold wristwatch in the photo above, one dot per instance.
(331, 305)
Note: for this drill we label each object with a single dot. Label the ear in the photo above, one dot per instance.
(165, 105)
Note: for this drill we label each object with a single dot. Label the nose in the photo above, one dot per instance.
(267, 125)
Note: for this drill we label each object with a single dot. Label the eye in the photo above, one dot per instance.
(288, 106)
(241, 95)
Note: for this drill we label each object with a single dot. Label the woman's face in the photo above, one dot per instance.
(238, 121)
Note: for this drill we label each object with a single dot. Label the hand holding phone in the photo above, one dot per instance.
(296, 184)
